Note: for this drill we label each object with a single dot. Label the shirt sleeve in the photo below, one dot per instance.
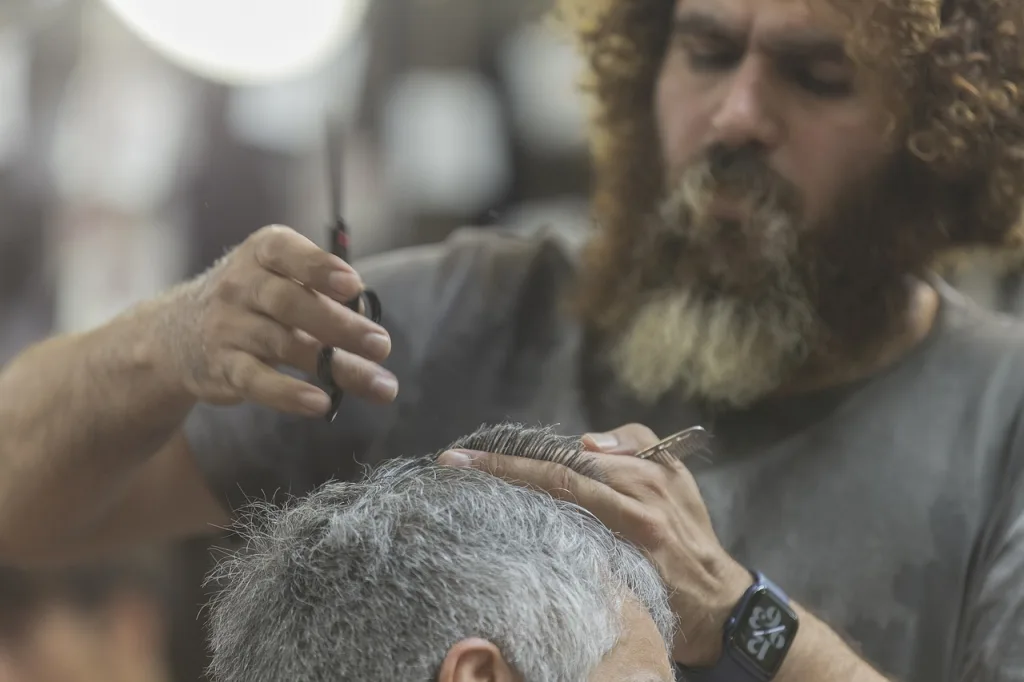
(991, 646)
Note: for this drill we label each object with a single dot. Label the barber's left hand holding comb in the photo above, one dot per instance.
(275, 300)
(658, 508)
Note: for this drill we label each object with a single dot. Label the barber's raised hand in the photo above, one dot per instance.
(659, 509)
(274, 300)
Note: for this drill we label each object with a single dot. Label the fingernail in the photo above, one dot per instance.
(455, 458)
(603, 441)
(378, 345)
(345, 284)
(316, 402)
(385, 386)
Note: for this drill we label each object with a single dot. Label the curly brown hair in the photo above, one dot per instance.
(955, 70)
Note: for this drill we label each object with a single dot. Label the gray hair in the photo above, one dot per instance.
(377, 580)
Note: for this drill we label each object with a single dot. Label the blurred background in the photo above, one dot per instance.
(139, 139)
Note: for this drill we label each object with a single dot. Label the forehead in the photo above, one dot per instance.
(768, 17)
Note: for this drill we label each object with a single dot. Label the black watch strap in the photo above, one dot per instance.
(726, 670)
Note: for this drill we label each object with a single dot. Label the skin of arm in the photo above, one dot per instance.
(818, 653)
(89, 421)
(92, 457)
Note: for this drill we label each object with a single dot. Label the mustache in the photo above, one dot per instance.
(738, 172)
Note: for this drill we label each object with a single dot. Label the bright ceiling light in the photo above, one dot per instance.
(244, 42)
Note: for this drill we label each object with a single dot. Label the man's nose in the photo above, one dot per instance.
(746, 116)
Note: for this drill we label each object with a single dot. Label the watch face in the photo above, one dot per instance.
(764, 632)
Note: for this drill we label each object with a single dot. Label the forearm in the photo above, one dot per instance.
(818, 654)
(78, 415)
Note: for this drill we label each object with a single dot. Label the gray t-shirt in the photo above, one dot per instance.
(892, 508)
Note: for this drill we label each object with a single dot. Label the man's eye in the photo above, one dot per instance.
(712, 59)
(825, 88)
(822, 83)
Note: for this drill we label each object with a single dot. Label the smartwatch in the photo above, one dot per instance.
(757, 637)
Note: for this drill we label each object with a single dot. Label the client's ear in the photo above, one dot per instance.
(476, 660)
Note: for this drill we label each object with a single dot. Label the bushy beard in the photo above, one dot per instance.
(722, 350)
(734, 318)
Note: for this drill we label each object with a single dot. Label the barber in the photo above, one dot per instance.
(773, 184)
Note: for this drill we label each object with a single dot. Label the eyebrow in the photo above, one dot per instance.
(701, 24)
(807, 45)
(796, 44)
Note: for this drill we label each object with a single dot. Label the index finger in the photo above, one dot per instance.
(613, 509)
(629, 439)
(290, 254)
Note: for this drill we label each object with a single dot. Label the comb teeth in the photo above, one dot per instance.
(532, 443)
(679, 446)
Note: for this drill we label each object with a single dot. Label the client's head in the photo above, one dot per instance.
(427, 573)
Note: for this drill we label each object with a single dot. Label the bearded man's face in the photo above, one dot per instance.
(789, 216)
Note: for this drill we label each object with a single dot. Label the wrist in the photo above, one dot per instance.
(702, 643)
(756, 638)
(814, 640)
(141, 339)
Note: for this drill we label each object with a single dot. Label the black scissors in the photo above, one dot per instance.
(366, 303)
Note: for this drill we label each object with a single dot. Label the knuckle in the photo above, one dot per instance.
(302, 341)
(650, 526)
(336, 312)
(257, 294)
(228, 283)
(271, 344)
(240, 375)
(269, 295)
(641, 433)
(269, 243)
(217, 329)
(300, 348)
(357, 372)
(271, 235)
(346, 332)
(635, 436)
(492, 465)
(653, 486)
(565, 479)
(231, 291)
(282, 343)
(285, 343)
